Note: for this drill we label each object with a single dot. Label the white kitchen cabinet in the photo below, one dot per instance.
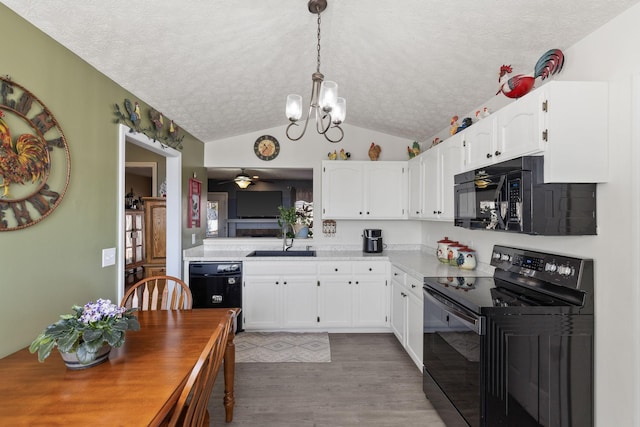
(335, 303)
(398, 304)
(279, 295)
(370, 294)
(416, 186)
(564, 121)
(261, 303)
(364, 190)
(335, 294)
(432, 179)
(415, 316)
(407, 313)
(353, 294)
(299, 302)
(480, 143)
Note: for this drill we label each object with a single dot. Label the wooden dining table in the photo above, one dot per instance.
(138, 385)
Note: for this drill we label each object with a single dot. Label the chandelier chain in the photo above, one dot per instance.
(318, 46)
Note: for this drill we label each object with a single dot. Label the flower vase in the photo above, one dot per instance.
(301, 231)
(72, 362)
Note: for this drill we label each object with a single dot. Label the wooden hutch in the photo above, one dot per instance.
(145, 240)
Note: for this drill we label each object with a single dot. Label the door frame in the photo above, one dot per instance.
(174, 196)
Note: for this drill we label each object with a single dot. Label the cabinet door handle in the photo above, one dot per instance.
(336, 269)
(413, 286)
(277, 283)
(403, 294)
(498, 153)
(370, 269)
(489, 155)
(284, 283)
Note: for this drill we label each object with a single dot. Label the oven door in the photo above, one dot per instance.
(452, 359)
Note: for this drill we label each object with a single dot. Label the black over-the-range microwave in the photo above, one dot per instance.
(512, 196)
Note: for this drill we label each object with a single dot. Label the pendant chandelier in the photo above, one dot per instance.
(325, 106)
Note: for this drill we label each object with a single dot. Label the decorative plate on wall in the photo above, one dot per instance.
(34, 158)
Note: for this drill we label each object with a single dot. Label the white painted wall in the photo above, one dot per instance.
(610, 54)
(309, 152)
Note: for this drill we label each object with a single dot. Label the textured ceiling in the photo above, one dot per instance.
(221, 68)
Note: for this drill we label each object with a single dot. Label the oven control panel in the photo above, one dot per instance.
(548, 267)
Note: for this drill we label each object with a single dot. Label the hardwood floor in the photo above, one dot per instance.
(370, 381)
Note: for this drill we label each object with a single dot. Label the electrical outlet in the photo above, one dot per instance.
(108, 257)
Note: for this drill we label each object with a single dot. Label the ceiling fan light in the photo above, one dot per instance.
(243, 183)
(328, 95)
(294, 107)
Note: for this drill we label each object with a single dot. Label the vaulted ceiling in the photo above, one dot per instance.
(221, 68)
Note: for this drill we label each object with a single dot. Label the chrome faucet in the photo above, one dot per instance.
(286, 246)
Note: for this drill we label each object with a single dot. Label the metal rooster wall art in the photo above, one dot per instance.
(519, 85)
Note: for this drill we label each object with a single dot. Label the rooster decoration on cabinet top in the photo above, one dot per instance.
(519, 85)
(27, 159)
(374, 151)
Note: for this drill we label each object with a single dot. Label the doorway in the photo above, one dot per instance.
(173, 160)
(217, 214)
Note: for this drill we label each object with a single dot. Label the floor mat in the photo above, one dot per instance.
(282, 347)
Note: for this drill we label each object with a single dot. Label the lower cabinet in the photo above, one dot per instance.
(407, 313)
(261, 303)
(353, 294)
(316, 295)
(299, 302)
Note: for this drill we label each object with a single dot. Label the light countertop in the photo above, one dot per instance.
(418, 263)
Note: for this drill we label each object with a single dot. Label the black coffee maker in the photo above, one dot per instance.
(372, 240)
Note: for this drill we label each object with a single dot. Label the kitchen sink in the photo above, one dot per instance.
(281, 253)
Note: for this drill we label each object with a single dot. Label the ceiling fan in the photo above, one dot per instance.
(242, 180)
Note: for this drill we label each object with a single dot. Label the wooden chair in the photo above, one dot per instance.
(158, 293)
(191, 408)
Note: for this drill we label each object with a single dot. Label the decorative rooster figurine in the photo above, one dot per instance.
(26, 160)
(374, 151)
(519, 85)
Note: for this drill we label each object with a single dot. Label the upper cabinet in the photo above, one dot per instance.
(431, 180)
(564, 121)
(364, 190)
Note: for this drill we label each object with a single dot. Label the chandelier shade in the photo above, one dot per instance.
(327, 109)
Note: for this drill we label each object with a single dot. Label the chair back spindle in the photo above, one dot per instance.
(158, 293)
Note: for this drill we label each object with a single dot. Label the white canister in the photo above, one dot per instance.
(441, 251)
(467, 259)
(452, 253)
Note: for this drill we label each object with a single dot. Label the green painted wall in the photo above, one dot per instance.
(48, 267)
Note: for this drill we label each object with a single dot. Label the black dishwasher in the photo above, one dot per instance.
(217, 285)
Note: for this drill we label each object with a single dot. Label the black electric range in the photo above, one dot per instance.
(515, 348)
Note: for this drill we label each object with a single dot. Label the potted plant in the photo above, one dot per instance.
(304, 220)
(86, 332)
(286, 220)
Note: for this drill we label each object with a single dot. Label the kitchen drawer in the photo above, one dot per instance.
(414, 285)
(336, 268)
(278, 268)
(398, 275)
(370, 267)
